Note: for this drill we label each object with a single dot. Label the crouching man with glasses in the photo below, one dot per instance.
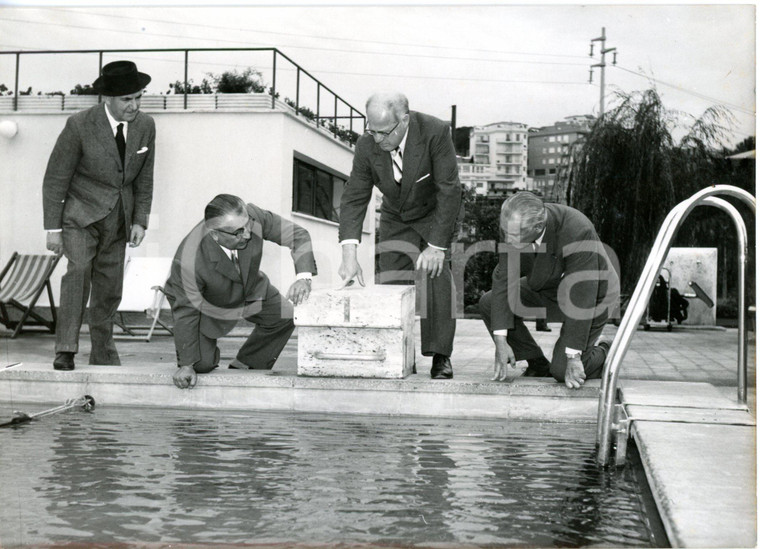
(215, 281)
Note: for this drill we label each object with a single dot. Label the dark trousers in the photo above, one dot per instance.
(399, 247)
(274, 326)
(526, 348)
(95, 271)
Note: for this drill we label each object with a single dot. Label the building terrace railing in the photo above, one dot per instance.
(321, 107)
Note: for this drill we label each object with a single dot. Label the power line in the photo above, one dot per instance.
(686, 91)
(320, 48)
(689, 92)
(263, 68)
(298, 35)
(734, 132)
(468, 79)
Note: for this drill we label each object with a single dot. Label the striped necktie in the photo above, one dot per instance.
(236, 262)
(398, 164)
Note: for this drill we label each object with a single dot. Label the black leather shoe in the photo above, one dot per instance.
(538, 367)
(541, 325)
(234, 365)
(441, 367)
(64, 361)
(605, 344)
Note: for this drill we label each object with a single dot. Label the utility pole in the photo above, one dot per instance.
(602, 65)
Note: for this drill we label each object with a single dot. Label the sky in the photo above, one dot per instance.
(495, 62)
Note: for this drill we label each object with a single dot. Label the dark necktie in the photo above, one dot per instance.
(398, 164)
(120, 143)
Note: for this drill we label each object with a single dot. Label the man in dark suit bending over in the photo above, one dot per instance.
(96, 197)
(553, 260)
(215, 281)
(410, 157)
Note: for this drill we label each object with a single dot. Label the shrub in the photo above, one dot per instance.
(179, 87)
(87, 89)
(249, 81)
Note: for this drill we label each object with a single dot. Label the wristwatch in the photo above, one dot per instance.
(574, 354)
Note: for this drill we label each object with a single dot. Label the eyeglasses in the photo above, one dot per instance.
(383, 135)
(238, 233)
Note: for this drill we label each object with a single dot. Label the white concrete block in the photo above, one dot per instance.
(357, 332)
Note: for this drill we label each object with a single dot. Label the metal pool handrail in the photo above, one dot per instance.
(644, 288)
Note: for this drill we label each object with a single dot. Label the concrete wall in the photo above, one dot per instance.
(698, 265)
(198, 155)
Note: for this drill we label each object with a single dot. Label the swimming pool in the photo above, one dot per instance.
(179, 477)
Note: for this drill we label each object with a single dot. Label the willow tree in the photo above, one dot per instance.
(631, 172)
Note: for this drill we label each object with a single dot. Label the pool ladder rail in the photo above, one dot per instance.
(608, 420)
(621, 428)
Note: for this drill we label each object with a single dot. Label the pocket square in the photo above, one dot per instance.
(423, 177)
(144, 149)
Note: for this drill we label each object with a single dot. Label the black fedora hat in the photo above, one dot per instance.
(120, 78)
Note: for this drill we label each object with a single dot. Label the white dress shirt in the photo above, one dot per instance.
(114, 123)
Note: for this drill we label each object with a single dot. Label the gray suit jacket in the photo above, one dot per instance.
(207, 294)
(430, 195)
(84, 176)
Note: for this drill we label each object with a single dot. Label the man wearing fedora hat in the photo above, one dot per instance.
(96, 197)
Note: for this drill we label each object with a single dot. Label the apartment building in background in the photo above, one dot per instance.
(550, 154)
(498, 161)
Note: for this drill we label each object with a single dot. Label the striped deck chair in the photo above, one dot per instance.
(23, 280)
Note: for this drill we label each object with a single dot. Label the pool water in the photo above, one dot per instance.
(168, 477)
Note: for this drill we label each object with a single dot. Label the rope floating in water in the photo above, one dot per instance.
(86, 402)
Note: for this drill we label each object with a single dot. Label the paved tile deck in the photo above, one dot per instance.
(685, 354)
(703, 478)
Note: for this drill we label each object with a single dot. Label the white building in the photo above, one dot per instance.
(241, 144)
(499, 159)
(474, 176)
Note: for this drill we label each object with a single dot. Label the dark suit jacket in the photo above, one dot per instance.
(430, 196)
(571, 247)
(84, 176)
(207, 294)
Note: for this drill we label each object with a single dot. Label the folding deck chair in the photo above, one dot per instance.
(143, 291)
(23, 279)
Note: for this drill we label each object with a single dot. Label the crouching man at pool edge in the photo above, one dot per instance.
(215, 281)
(553, 265)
